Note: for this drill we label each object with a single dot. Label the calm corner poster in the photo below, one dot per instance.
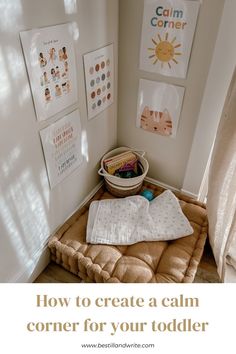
(167, 36)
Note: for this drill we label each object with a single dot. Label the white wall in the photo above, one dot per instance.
(168, 157)
(29, 210)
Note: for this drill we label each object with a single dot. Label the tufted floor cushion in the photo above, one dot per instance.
(144, 262)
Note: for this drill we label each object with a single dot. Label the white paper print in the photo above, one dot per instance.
(99, 76)
(50, 59)
(159, 107)
(167, 36)
(62, 148)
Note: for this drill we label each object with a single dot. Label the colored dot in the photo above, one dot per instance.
(108, 85)
(108, 96)
(108, 74)
(97, 67)
(103, 88)
(103, 64)
(93, 94)
(108, 62)
(104, 99)
(91, 70)
(103, 77)
(99, 103)
(92, 82)
(97, 80)
(94, 106)
(99, 91)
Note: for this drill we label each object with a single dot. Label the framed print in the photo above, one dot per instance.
(99, 77)
(167, 36)
(159, 107)
(61, 142)
(50, 60)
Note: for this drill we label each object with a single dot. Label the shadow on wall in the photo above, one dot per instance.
(23, 215)
(25, 199)
(23, 218)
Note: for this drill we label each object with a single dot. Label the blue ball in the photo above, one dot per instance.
(147, 194)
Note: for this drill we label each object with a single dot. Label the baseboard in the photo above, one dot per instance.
(90, 195)
(42, 262)
(167, 186)
(189, 194)
(160, 184)
(33, 268)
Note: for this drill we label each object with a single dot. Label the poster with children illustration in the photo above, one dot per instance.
(99, 77)
(50, 60)
(62, 147)
(159, 107)
(167, 36)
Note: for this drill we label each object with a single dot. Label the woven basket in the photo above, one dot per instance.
(124, 187)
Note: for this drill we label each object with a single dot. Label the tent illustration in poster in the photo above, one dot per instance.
(159, 107)
(50, 60)
(167, 36)
(99, 76)
(62, 147)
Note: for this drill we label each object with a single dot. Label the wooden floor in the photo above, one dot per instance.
(206, 272)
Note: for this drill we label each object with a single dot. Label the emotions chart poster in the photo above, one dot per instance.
(50, 59)
(99, 77)
(159, 107)
(62, 146)
(167, 36)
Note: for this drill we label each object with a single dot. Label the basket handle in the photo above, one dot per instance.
(140, 152)
(101, 172)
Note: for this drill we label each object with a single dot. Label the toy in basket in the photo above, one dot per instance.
(124, 170)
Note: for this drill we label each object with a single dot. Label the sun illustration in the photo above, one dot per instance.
(164, 51)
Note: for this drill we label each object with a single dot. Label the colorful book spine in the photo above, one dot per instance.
(126, 160)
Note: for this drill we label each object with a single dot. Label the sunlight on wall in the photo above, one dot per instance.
(141, 98)
(84, 147)
(45, 186)
(24, 94)
(9, 12)
(28, 208)
(5, 87)
(15, 63)
(70, 6)
(30, 200)
(74, 30)
(34, 52)
(7, 166)
(13, 231)
(23, 213)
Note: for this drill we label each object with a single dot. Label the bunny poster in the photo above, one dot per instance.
(159, 107)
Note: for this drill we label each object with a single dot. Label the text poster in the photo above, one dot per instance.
(99, 76)
(62, 148)
(159, 107)
(167, 36)
(50, 60)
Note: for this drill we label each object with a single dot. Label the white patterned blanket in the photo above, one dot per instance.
(134, 219)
